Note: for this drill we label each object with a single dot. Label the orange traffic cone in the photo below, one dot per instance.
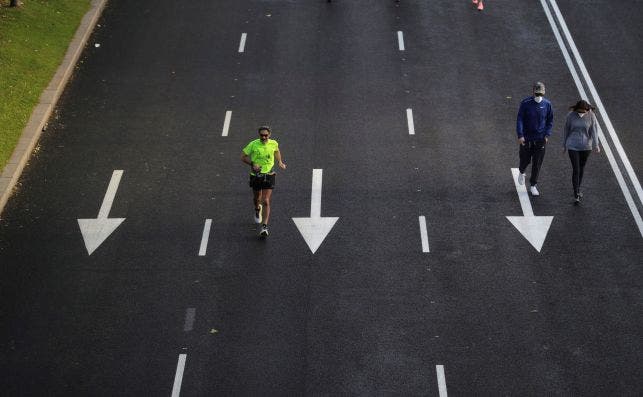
(480, 5)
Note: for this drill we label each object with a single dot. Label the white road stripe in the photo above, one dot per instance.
(523, 196)
(190, 315)
(442, 381)
(409, 120)
(606, 148)
(106, 206)
(424, 235)
(205, 237)
(315, 194)
(400, 40)
(178, 378)
(599, 104)
(242, 43)
(226, 123)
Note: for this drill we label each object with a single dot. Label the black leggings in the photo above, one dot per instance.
(578, 159)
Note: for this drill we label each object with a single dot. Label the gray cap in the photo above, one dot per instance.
(539, 88)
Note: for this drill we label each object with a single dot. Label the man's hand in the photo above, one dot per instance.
(256, 167)
(282, 165)
(598, 149)
(521, 140)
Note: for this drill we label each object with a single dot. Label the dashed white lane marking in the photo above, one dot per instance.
(424, 234)
(205, 237)
(178, 378)
(242, 43)
(226, 123)
(409, 120)
(442, 381)
(400, 40)
(190, 315)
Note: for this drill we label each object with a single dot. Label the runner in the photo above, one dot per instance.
(260, 154)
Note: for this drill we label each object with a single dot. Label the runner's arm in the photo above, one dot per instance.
(282, 165)
(246, 159)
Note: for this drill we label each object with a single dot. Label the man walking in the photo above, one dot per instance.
(533, 127)
(260, 154)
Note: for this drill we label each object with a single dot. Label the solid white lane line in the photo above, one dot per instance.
(606, 148)
(190, 315)
(106, 206)
(424, 235)
(242, 43)
(178, 378)
(409, 120)
(226, 123)
(442, 381)
(400, 40)
(205, 237)
(597, 100)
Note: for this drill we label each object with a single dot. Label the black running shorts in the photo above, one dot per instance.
(262, 181)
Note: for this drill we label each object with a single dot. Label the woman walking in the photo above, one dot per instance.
(579, 139)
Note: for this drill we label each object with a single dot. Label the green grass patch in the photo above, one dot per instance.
(33, 40)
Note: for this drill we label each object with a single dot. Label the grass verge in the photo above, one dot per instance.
(33, 40)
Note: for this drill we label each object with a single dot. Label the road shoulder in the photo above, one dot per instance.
(47, 102)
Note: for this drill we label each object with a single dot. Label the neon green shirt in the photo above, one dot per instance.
(262, 154)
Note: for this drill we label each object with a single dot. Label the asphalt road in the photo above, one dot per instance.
(369, 312)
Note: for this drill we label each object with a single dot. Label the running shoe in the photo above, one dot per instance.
(521, 179)
(264, 231)
(534, 191)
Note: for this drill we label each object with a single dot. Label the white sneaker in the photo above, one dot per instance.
(258, 215)
(521, 179)
(534, 191)
(264, 231)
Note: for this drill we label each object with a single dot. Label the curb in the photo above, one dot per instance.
(47, 103)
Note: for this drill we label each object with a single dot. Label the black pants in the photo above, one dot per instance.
(532, 152)
(578, 159)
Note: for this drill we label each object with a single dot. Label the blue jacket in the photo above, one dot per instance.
(535, 120)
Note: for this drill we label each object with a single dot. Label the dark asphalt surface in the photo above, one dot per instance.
(368, 313)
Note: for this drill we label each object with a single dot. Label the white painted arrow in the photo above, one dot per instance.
(315, 229)
(533, 228)
(95, 231)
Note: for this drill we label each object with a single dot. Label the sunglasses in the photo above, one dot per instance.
(264, 135)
